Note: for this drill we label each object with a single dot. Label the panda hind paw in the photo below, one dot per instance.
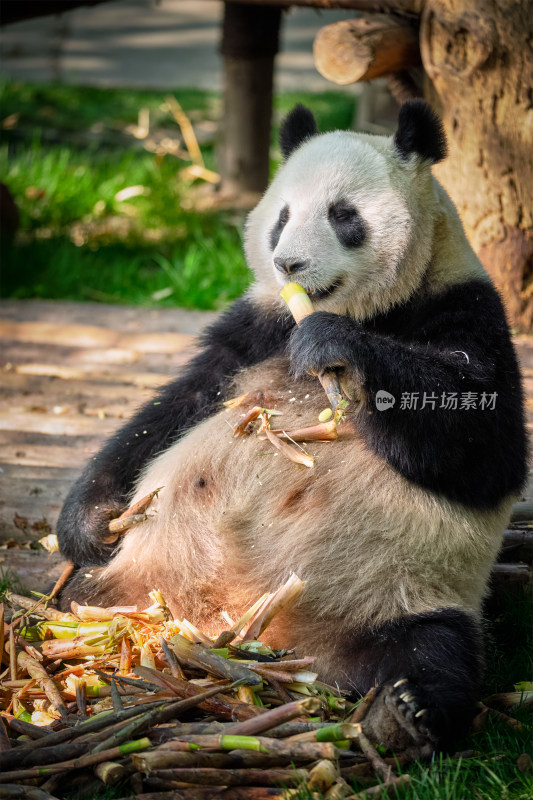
(400, 719)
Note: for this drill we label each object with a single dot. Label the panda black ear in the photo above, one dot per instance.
(420, 131)
(298, 125)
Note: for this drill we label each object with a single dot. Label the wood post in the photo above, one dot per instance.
(249, 44)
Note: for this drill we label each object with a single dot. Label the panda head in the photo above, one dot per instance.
(349, 216)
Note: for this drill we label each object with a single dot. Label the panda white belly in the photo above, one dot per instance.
(235, 518)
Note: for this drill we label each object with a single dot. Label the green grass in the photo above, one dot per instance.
(66, 154)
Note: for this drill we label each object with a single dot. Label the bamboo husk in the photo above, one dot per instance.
(125, 657)
(77, 647)
(99, 614)
(38, 672)
(285, 595)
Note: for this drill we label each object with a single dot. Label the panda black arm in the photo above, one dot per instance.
(452, 344)
(241, 337)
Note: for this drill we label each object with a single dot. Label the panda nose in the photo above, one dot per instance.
(290, 265)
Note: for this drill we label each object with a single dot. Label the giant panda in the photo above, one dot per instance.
(395, 528)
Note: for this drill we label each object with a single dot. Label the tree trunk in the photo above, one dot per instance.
(479, 58)
(249, 44)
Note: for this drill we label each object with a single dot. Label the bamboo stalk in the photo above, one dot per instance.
(12, 655)
(25, 792)
(110, 772)
(223, 705)
(27, 728)
(36, 607)
(197, 656)
(209, 776)
(88, 760)
(388, 788)
(322, 776)
(91, 725)
(300, 307)
(44, 755)
(62, 580)
(2, 634)
(5, 741)
(262, 744)
(121, 525)
(361, 710)
(323, 432)
(38, 672)
(172, 661)
(275, 716)
(332, 733)
(378, 764)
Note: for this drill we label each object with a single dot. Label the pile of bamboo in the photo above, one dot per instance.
(104, 696)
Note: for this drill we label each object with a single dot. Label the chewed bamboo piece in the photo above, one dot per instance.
(133, 515)
(297, 456)
(323, 432)
(300, 307)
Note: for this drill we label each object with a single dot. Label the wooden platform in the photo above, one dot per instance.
(70, 375)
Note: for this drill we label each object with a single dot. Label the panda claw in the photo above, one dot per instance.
(399, 683)
(421, 712)
(406, 697)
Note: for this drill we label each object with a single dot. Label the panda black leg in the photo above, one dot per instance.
(428, 669)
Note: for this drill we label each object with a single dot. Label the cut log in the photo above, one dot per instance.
(365, 48)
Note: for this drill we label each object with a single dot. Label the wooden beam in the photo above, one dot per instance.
(365, 48)
(401, 7)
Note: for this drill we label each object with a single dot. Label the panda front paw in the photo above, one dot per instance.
(322, 341)
(83, 530)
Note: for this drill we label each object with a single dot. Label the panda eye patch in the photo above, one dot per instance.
(347, 224)
(275, 233)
